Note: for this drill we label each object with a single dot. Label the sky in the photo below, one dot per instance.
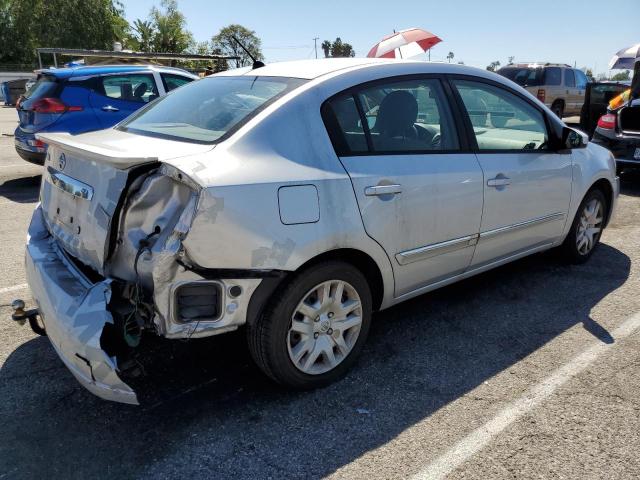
(582, 32)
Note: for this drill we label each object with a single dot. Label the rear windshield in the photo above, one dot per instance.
(523, 76)
(45, 86)
(207, 110)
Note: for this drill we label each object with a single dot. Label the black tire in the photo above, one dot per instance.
(268, 336)
(569, 248)
(558, 109)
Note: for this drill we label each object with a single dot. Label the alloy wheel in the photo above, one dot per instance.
(589, 226)
(325, 327)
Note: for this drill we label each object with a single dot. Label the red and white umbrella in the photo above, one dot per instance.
(404, 44)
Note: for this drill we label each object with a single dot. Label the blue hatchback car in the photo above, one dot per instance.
(81, 99)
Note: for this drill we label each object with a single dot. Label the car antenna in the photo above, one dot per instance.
(256, 63)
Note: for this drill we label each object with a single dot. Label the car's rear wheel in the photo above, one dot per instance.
(586, 229)
(315, 327)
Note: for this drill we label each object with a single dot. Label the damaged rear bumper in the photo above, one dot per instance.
(75, 313)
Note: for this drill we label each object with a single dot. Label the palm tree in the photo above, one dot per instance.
(450, 56)
(144, 33)
(326, 46)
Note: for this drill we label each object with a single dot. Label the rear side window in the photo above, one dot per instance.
(523, 76)
(139, 88)
(502, 120)
(347, 125)
(171, 81)
(393, 117)
(581, 79)
(45, 86)
(553, 76)
(569, 78)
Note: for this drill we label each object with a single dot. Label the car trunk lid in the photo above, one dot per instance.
(85, 180)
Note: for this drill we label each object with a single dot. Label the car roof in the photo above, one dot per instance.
(307, 69)
(315, 69)
(68, 72)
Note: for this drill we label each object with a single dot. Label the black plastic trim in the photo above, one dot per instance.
(220, 273)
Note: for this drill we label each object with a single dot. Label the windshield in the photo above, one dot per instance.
(206, 110)
(523, 76)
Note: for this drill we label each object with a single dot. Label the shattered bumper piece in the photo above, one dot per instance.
(74, 312)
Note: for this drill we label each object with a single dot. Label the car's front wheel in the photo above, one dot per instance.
(314, 328)
(586, 228)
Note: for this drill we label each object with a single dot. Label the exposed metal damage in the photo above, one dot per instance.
(119, 266)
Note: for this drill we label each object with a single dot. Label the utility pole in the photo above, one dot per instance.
(315, 45)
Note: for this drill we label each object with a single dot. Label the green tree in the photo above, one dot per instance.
(450, 56)
(224, 44)
(337, 49)
(144, 32)
(28, 24)
(624, 75)
(511, 59)
(326, 48)
(170, 32)
(493, 66)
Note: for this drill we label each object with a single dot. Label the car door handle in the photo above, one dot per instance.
(109, 108)
(383, 190)
(499, 181)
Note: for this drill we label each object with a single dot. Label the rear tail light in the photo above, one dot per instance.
(542, 95)
(53, 105)
(36, 143)
(607, 121)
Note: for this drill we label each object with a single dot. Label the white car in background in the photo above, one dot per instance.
(295, 199)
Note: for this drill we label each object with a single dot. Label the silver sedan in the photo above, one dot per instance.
(294, 200)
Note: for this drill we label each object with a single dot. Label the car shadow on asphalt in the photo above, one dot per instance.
(207, 410)
(21, 190)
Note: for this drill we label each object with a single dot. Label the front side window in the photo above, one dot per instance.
(395, 116)
(569, 78)
(139, 88)
(206, 110)
(501, 120)
(552, 76)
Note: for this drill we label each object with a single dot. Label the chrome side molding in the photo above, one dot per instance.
(518, 226)
(70, 185)
(429, 251)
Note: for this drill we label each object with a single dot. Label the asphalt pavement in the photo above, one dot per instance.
(528, 371)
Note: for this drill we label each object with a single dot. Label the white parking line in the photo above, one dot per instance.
(479, 438)
(14, 288)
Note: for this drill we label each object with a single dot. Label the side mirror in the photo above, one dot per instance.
(574, 138)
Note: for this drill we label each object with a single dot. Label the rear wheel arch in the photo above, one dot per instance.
(357, 258)
(360, 260)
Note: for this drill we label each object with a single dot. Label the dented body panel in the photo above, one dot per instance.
(75, 314)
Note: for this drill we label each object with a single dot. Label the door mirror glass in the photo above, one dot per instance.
(573, 138)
